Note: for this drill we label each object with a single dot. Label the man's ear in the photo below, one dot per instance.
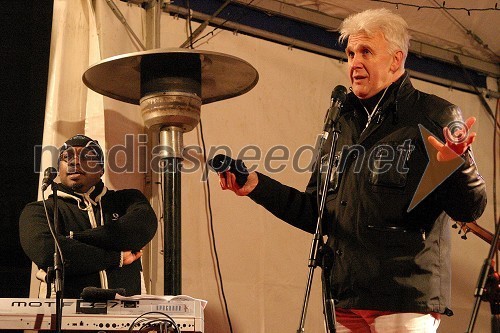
(397, 61)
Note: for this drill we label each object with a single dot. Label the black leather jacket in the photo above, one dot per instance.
(386, 256)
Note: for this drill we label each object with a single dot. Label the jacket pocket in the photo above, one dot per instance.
(388, 167)
(407, 240)
(335, 175)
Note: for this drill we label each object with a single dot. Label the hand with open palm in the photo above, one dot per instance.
(457, 142)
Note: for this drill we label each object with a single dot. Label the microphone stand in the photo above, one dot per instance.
(488, 288)
(318, 248)
(58, 265)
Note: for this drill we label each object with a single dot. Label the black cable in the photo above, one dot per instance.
(496, 134)
(318, 174)
(212, 228)
(205, 23)
(148, 323)
(469, 32)
(222, 24)
(496, 129)
(161, 217)
(476, 90)
(190, 39)
(52, 232)
(468, 10)
(208, 192)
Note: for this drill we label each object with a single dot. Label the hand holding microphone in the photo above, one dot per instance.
(222, 163)
(233, 174)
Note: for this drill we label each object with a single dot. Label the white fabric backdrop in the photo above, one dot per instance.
(263, 260)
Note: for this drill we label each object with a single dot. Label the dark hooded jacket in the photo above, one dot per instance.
(388, 253)
(95, 227)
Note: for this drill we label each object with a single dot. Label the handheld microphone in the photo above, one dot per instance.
(339, 95)
(222, 163)
(93, 294)
(48, 177)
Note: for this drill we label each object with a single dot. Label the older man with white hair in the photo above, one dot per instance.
(391, 260)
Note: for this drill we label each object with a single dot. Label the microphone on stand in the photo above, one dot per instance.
(318, 249)
(48, 177)
(222, 163)
(55, 274)
(339, 95)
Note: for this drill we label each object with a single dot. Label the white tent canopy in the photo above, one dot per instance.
(461, 33)
(472, 33)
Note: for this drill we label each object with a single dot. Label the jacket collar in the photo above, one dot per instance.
(94, 193)
(397, 91)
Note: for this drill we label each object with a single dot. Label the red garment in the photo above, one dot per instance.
(370, 321)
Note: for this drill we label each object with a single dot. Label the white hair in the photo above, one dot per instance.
(392, 26)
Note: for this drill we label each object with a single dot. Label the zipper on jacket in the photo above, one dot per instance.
(392, 228)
